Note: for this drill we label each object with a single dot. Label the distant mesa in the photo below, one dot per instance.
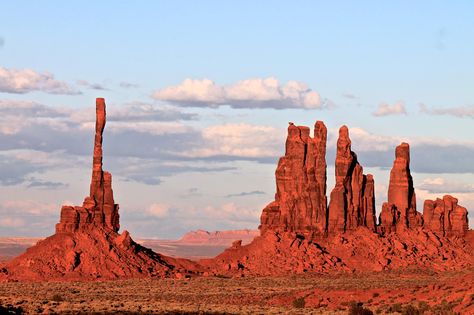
(87, 243)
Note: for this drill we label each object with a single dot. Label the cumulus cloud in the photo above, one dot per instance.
(239, 140)
(27, 80)
(443, 186)
(250, 93)
(385, 109)
(460, 111)
(92, 86)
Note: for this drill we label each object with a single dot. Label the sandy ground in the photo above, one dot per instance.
(381, 293)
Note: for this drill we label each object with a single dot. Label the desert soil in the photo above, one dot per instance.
(382, 293)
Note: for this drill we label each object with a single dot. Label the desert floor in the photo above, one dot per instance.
(382, 293)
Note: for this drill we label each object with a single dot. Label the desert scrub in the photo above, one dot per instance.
(299, 302)
(357, 308)
(57, 298)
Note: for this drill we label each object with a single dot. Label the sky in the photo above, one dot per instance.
(199, 95)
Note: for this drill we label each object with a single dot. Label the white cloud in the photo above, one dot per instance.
(460, 111)
(443, 186)
(158, 210)
(27, 80)
(385, 109)
(242, 140)
(250, 93)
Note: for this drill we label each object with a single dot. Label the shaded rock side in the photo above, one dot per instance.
(352, 201)
(445, 216)
(300, 203)
(399, 212)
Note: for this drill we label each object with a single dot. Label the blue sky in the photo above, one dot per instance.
(390, 71)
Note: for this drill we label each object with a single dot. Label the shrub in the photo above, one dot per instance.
(395, 308)
(299, 302)
(411, 310)
(10, 309)
(357, 308)
(57, 298)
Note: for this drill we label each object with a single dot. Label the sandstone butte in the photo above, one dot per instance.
(87, 244)
(299, 230)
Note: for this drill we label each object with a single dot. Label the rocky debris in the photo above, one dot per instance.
(445, 216)
(359, 250)
(87, 245)
(274, 254)
(399, 212)
(352, 202)
(300, 199)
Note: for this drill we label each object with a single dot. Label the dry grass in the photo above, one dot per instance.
(221, 295)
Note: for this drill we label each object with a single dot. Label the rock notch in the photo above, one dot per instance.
(87, 245)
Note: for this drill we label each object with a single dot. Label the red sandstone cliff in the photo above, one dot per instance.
(300, 199)
(352, 199)
(292, 238)
(400, 211)
(445, 216)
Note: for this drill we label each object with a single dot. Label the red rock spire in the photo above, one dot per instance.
(352, 199)
(400, 210)
(300, 199)
(98, 208)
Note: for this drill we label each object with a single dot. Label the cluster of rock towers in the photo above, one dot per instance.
(301, 205)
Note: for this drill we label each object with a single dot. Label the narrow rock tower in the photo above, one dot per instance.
(98, 209)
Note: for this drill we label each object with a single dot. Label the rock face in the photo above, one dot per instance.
(445, 216)
(87, 245)
(352, 202)
(294, 239)
(98, 209)
(300, 199)
(400, 211)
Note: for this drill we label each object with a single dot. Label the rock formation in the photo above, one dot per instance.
(445, 216)
(294, 240)
(300, 199)
(87, 244)
(98, 209)
(352, 201)
(400, 210)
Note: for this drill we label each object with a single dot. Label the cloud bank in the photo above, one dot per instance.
(460, 111)
(27, 80)
(385, 109)
(250, 93)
